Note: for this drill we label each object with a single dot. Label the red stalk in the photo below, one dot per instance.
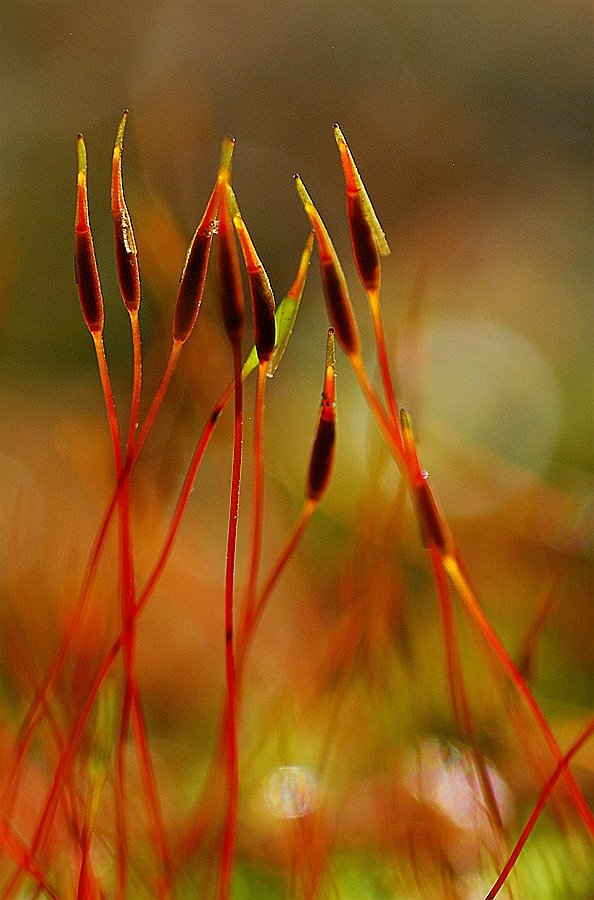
(544, 796)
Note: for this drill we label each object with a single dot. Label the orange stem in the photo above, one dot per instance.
(544, 796)
(232, 755)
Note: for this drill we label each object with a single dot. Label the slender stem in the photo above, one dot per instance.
(39, 702)
(232, 756)
(155, 816)
(35, 711)
(258, 494)
(391, 433)
(544, 796)
(109, 403)
(14, 847)
(382, 355)
(156, 404)
(457, 686)
(65, 763)
(69, 751)
(245, 632)
(456, 570)
(249, 623)
(136, 385)
(453, 564)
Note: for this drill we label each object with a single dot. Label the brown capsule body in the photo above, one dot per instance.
(322, 459)
(126, 260)
(336, 293)
(229, 275)
(263, 304)
(323, 451)
(339, 306)
(85, 263)
(87, 280)
(363, 242)
(191, 288)
(263, 307)
(433, 527)
(125, 245)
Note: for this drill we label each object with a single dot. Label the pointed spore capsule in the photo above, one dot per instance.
(324, 447)
(229, 275)
(336, 292)
(193, 277)
(434, 530)
(191, 289)
(85, 263)
(367, 237)
(125, 244)
(263, 303)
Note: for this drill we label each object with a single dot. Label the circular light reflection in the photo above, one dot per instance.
(291, 791)
(447, 777)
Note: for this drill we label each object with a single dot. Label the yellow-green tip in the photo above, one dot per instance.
(227, 147)
(82, 210)
(296, 289)
(355, 185)
(81, 151)
(119, 141)
(325, 246)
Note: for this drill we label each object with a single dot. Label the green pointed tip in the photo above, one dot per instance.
(82, 212)
(406, 424)
(227, 147)
(296, 289)
(82, 157)
(355, 185)
(119, 142)
(305, 198)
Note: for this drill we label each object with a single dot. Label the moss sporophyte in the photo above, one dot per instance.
(102, 771)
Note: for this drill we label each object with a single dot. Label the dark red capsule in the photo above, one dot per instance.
(339, 306)
(85, 263)
(263, 308)
(125, 244)
(324, 447)
(365, 252)
(87, 280)
(191, 287)
(229, 274)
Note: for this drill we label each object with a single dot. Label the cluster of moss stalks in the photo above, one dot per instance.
(82, 838)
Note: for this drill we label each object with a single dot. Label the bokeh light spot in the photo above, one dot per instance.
(292, 791)
(447, 777)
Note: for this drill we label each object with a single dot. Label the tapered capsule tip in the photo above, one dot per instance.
(301, 190)
(416, 473)
(408, 436)
(352, 177)
(296, 289)
(325, 247)
(119, 142)
(82, 213)
(82, 153)
(227, 147)
(406, 425)
(329, 393)
(252, 260)
(356, 189)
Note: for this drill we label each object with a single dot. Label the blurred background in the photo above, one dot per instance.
(472, 125)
